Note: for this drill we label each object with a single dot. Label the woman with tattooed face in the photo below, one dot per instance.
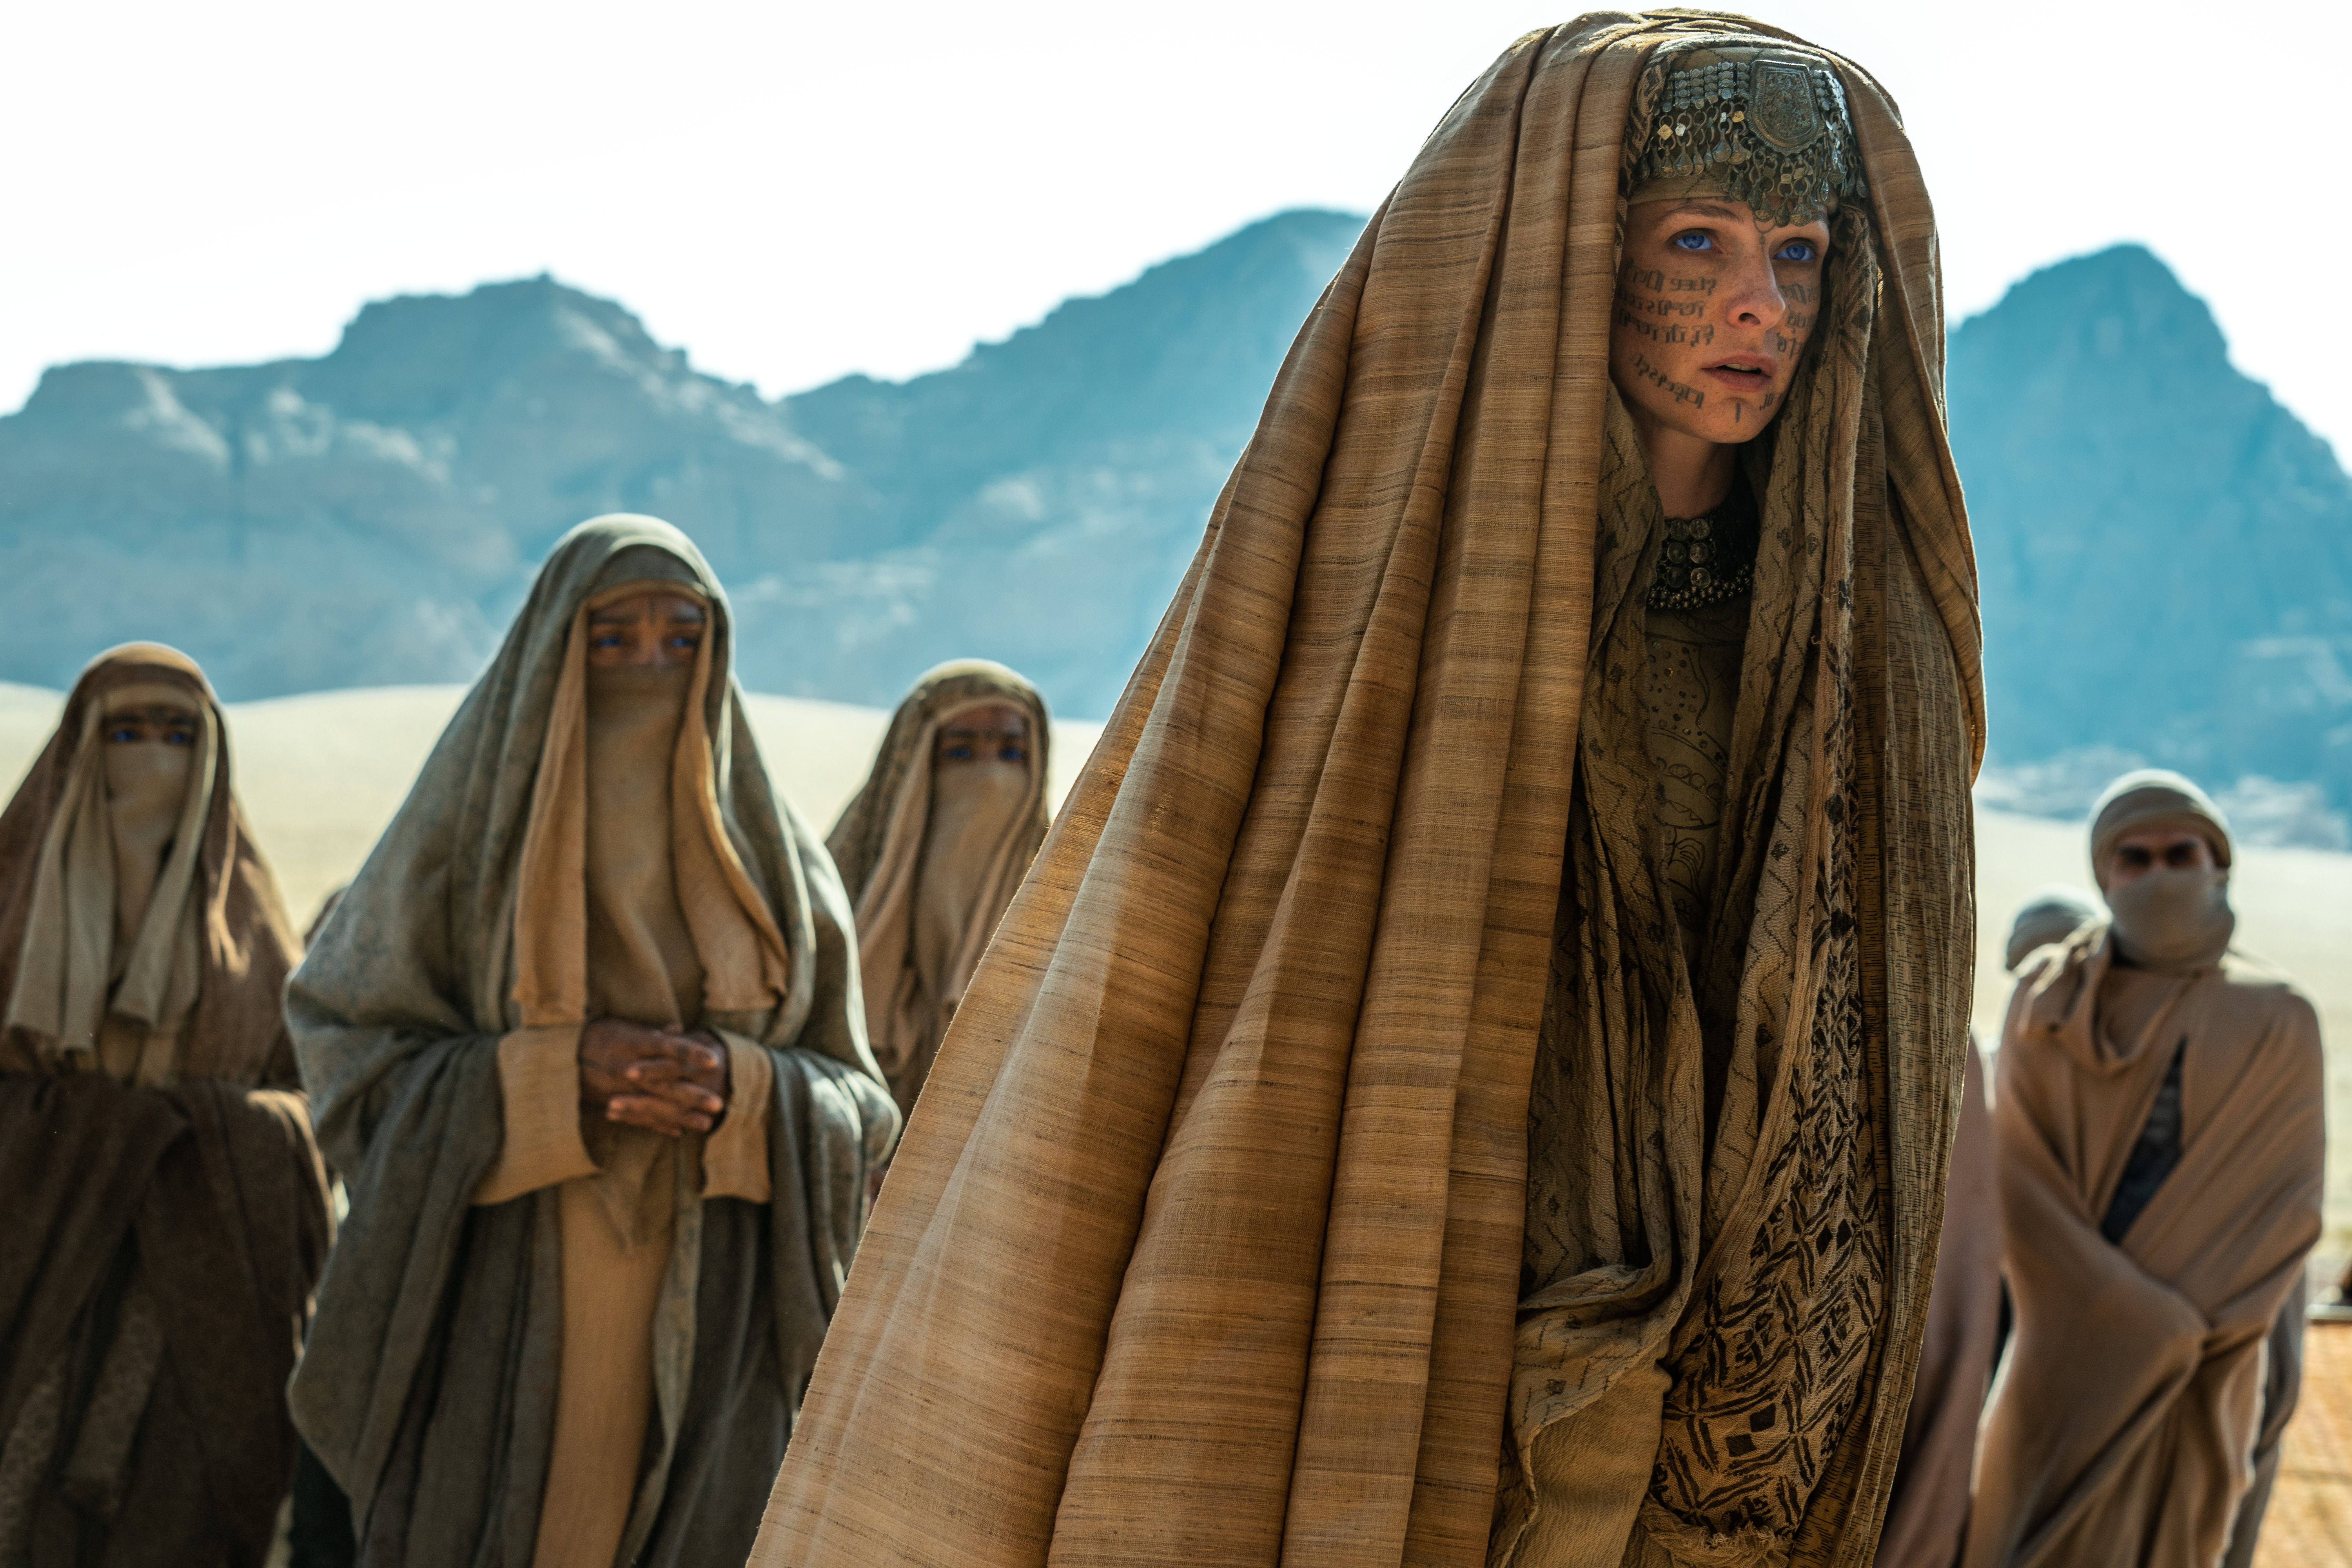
(1470, 1075)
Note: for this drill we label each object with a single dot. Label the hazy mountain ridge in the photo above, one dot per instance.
(2166, 554)
(373, 515)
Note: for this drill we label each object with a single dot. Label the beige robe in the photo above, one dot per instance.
(621, 745)
(2125, 1425)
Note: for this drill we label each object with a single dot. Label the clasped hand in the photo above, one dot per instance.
(668, 1081)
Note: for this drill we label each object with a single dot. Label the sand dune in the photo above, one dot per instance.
(321, 774)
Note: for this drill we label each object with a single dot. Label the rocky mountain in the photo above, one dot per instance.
(373, 516)
(2166, 554)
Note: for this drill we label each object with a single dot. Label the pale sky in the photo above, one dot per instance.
(794, 191)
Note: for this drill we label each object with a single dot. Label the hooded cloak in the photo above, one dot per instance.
(929, 870)
(1211, 1231)
(166, 1216)
(2160, 1162)
(520, 1308)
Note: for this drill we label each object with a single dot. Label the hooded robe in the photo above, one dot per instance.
(931, 859)
(1266, 1197)
(2159, 1117)
(543, 1339)
(166, 1211)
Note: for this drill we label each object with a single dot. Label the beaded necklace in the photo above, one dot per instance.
(1709, 558)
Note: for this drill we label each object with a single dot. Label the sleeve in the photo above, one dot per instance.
(539, 1091)
(735, 1157)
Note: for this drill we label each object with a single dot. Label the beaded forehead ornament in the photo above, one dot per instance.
(1768, 129)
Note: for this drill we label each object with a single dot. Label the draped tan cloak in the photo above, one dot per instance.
(2131, 1401)
(1209, 1236)
(447, 1384)
(890, 856)
(165, 1214)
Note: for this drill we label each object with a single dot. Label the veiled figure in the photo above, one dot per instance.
(586, 1043)
(933, 846)
(1470, 1075)
(165, 1215)
(2162, 1151)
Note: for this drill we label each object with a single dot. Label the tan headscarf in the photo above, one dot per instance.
(2053, 914)
(2168, 918)
(141, 932)
(1207, 1244)
(933, 865)
(632, 900)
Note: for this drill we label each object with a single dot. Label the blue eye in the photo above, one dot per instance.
(1694, 240)
(1796, 250)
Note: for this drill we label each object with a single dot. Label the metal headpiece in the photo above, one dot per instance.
(1771, 130)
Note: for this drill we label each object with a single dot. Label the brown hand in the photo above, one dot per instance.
(666, 1080)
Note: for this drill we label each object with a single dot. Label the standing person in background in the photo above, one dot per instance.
(1927, 1515)
(2051, 915)
(166, 1212)
(932, 847)
(1471, 1076)
(586, 1041)
(2160, 1148)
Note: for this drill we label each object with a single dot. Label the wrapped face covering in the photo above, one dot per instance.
(1766, 127)
(2167, 918)
(932, 856)
(113, 959)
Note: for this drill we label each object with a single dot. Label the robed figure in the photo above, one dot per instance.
(1470, 1075)
(933, 846)
(586, 1040)
(2162, 1159)
(163, 1209)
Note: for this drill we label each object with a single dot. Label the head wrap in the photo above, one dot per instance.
(2166, 918)
(932, 872)
(141, 932)
(2154, 797)
(1760, 125)
(2053, 914)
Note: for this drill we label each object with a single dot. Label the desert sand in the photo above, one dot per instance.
(321, 774)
